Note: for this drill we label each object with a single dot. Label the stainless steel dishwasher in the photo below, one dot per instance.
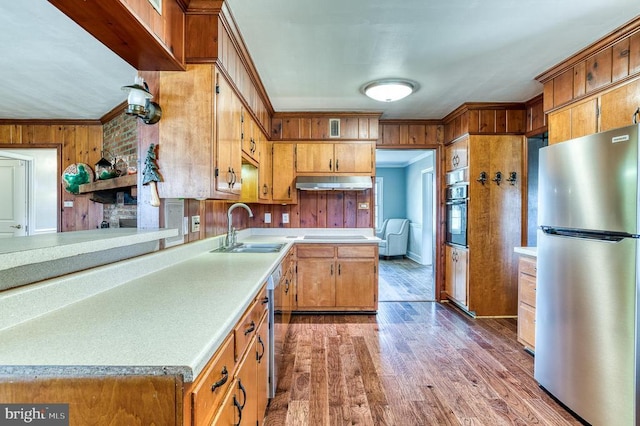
(274, 295)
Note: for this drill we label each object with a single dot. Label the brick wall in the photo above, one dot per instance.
(120, 139)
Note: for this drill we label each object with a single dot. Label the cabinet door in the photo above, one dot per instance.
(457, 155)
(265, 170)
(353, 157)
(618, 106)
(228, 131)
(356, 283)
(228, 413)
(247, 387)
(250, 136)
(461, 274)
(262, 359)
(449, 271)
(314, 158)
(316, 283)
(283, 173)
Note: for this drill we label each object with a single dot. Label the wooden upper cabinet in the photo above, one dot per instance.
(154, 40)
(283, 178)
(574, 122)
(618, 106)
(410, 132)
(485, 118)
(457, 155)
(338, 157)
(314, 127)
(199, 147)
(611, 60)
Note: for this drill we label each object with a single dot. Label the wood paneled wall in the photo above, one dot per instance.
(77, 142)
(409, 133)
(485, 119)
(315, 126)
(315, 209)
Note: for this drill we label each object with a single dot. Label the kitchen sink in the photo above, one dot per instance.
(251, 248)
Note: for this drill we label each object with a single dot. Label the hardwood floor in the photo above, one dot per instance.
(403, 280)
(415, 363)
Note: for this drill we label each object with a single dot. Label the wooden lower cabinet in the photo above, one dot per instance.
(334, 277)
(527, 302)
(457, 274)
(232, 384)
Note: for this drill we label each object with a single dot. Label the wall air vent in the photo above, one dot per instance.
(334, 127)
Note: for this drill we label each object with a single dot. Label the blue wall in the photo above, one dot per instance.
(394, 194)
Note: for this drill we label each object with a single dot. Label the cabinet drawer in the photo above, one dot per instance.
(315, 250)
(527, 289)
(527, 324)
(368, 251)
(246, 327)
(220, 372)
(527, 265)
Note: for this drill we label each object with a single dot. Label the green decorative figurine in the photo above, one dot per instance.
(150, 175)
(75, 180)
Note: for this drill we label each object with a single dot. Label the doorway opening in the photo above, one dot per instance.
(405, 188)
(30, 202)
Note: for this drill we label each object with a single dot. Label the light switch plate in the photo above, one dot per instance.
(68, 204)
(195, 223)
(267, 218)
(363, 206)
(285, 217)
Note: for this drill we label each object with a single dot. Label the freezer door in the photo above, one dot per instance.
(591, 182)
(585, 326)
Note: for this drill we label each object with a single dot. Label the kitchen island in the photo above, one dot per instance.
(163, 315)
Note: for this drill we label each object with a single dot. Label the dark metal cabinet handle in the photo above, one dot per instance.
(330, 164)
(289, 192)
(239, 408)
(265, 300)
(259, 356)
(339, 268)
(222, 381)
(265, 189)
(332, 269)
(244, 394)
(286, 286)
(337, 165)
(251, 329)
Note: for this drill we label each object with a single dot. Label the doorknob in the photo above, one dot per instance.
(16, 226)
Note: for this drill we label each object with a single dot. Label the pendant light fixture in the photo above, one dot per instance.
(389, 89)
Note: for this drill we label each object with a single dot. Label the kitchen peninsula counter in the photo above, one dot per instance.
(164, 313)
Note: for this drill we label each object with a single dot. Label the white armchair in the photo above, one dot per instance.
(394, 235)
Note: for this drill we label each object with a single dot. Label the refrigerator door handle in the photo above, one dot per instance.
(589, 235)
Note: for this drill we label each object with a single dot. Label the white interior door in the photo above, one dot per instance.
(13, 198)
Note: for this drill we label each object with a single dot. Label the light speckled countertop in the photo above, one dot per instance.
(529, 251)
(21, 251)
(169, 317)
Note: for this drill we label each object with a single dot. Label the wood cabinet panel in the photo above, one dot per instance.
(579, 80)
(598, 68)
(334, 277)
(314, 157)
(123, 399)
(353, 284)
(584, 119)
(457, 155)
(620, 60)
(457, 274)
(563, 88)
(559, 126)
(315, 283)
(262, 360)
(353, 157)
(265, 171)
(527, 289)
(526, 325)
(219, 372)
(229, 409)
(634, 54)
(247, 386)
(618, 106)
(283, 160)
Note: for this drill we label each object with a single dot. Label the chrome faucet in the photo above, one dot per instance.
(231, 232)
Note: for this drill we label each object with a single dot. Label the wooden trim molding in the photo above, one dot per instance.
(49, 122)
(116, 111)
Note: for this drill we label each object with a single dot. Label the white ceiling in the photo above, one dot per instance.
(316, 55)
(400, 157)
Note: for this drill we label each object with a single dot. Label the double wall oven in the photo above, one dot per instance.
(456, 202)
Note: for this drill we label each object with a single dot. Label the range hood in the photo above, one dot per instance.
(333, 183)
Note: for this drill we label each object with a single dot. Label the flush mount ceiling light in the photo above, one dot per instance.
(389, 90)
(139, 102)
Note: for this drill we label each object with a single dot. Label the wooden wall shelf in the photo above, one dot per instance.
(108, 184)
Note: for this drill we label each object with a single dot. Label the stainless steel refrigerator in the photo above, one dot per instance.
(587, 289)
